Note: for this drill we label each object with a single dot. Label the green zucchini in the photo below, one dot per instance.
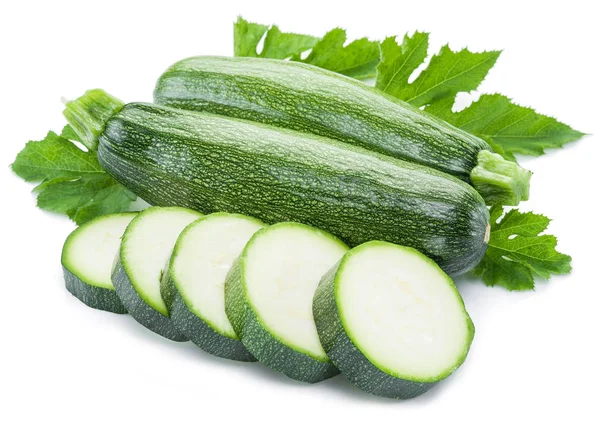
(145, 249)
(193, 287)
(268, 297)
(306, 98)
(172, 157)
(391, 320)
(87, 259)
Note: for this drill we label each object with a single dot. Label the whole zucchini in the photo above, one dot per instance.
(306, 98)
(173, 157)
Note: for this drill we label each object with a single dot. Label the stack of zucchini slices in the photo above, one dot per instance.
(291, 296)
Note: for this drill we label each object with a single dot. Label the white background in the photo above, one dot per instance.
(535, 354)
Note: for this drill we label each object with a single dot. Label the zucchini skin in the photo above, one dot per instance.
(196, 329)
(309, 99)
(91, 295)
(257, 339)
(209, 163)
(139, 309)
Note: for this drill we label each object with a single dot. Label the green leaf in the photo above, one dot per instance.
(282, 45)
(246, 36)
(517, 251)
(358, 59)
(112, 199)
(448, 72)
(69, 133)
(514, 128)
(54, 157)
(277, 45)
(398, 62)
(72, 181)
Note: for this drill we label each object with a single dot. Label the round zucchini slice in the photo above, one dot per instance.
(391, 320)
(268, 298)
(193, 287)
(87, 259)
(144, 253)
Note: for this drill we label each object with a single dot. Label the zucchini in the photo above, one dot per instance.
(391, 320)
(172, 157)
(309, 99)
(87, 259)
(145, 249)
(193, 287)
(268, 296)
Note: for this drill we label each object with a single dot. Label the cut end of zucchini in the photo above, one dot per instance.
(89, 113)
(391, 320)
(500, 181)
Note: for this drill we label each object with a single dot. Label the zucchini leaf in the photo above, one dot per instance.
(448, 73)
(515, 129)
(72, 181)
(517, 251)
(358, 59)
(277, 45)
(398, 62)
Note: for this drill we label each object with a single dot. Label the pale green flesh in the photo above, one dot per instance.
(202, 257)
(402, 312)
(89, 252)
(283, 265)
(147, 246)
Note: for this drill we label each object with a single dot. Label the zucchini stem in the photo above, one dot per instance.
(500, 181)
(89, 113)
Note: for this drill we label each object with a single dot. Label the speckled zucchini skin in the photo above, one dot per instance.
(196, 329)
(262, 344)
(93, 296)
(172, 157)
(139, 309)
(306, 98)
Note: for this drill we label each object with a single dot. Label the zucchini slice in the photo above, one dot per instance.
(87, 259)
(144, 253)
(391, 320)
(193, 287)
(268, 296)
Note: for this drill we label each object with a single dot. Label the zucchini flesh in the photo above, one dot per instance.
(391, 320)
(87, 258)
(145, 249)
(193, 287)
(268, 298)
(172, 157)
(306, 98)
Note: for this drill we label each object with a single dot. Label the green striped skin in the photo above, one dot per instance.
(347, 356)
(141, 311)
(196, 329)
(309, 99)
(212, 163)
(93, 296)
(267, 348)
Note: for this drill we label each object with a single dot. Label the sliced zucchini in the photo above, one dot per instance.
(391, 320)
(268, 298)
(144, 253)
(193, 287)
(87, 259)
